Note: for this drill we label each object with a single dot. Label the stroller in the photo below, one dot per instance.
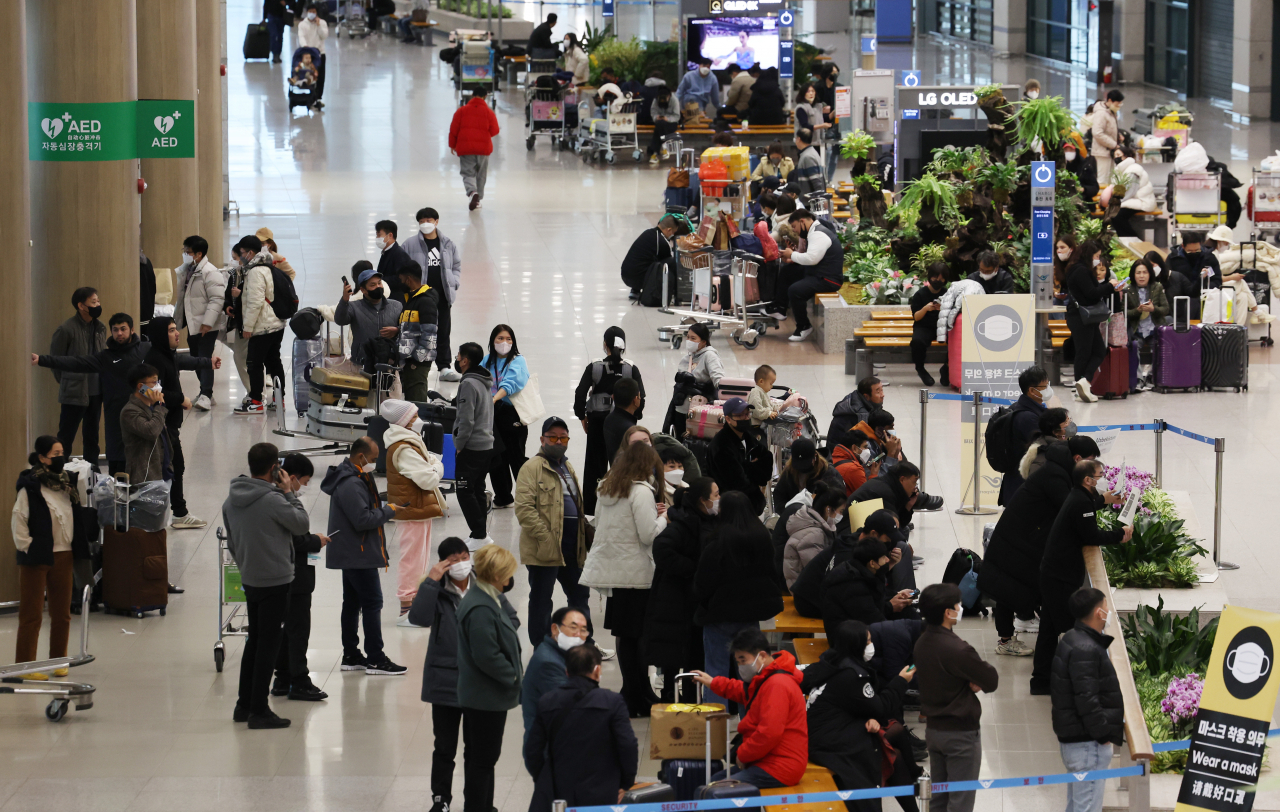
(305, 94)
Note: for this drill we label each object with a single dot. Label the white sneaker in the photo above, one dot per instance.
(188, 523)
(404, 622)
(476, 544)
(450, 375)
(607, 653)
(1031, 626)
(653, 160)
(776, 315)
(1014, 647)
(202, 403)
(1084, 392)
(800, 335)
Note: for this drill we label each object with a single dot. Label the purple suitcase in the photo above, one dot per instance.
(1177, 359)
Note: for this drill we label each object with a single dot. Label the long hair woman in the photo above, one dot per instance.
(510, 375)
(1089, 284)
(592, 402)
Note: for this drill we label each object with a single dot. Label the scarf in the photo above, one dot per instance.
(54, 482)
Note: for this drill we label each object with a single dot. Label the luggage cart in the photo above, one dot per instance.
(746, 323)
(544, 115)
(475, 65)
(353, 19)
(230, 594)
(1259, 282)
(63, 693)
(1197, 199)
(601, 138)
(1264, 204)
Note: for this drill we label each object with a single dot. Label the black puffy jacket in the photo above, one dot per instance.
(733, 583)
(851, 591)
(669, 629)
(1087, 706)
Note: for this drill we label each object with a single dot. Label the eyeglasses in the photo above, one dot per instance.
(555, 440)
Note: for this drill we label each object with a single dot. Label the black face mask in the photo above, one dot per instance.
(374, 294)
(511, 584)
(457, 367)
(95, 312)
(56, 464)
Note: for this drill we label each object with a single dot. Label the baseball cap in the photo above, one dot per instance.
(883, 523)
(803, 454)
(553, 422)
(735, 407)
(365, 276)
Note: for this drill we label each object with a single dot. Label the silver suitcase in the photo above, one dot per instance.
(338, 422)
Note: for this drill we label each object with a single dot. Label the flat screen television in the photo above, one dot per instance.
(730, 40)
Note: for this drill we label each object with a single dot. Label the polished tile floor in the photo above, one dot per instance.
(542, 255)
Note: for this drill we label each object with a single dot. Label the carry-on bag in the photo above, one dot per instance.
(1224, 356)
(339, 423)
(705, 421)
(727, 787)
(135, 563)
(1112, 379)
(735, 388)
(307, 355)
(673, 730)
(649, 792)
(257, 41)
(332, 387)
(1177, 356)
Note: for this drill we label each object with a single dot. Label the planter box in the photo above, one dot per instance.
(512, 30)
(834, 320)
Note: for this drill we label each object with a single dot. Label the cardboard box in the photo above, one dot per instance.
(683, 733)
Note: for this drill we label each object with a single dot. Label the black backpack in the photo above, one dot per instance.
(998, 438)
(306, 323)
(286, 301)
(962, 570)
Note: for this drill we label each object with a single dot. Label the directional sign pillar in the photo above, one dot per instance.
(1043, 188)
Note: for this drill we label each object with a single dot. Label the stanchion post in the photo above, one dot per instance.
(924, 792)
(559, 806)
(924, 429)
(977, 509)
(1219, 447)
(1159, 453)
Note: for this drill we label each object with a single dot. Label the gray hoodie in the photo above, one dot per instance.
(261, 521)
(473, 427)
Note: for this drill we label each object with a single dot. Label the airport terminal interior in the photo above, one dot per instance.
(542, 254)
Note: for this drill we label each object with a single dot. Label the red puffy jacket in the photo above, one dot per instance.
(775, 731)
(473, 129)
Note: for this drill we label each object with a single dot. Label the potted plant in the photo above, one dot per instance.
(998, 110)
(870, 203)
(1043, 121)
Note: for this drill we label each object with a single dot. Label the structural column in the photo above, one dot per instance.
(1009, 28)
(167, 70)
(84, 214)
(1251, 59)
(1129, 26)
(15, 236)
(209, 88)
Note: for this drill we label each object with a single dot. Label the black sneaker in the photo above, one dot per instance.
(279, 687)
(928, 502)
(386, 668)
(267, 721)
(925, 377)
(439, 805)
(354, 662)
(306, 693)
(240, 714)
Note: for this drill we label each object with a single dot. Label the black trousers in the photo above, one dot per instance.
(660, 129)
(542, 585)
(266, 607)
(70, 421)
(362, 595)
(177, 498)
(1089, 346)
(789, 273)
(291, 662)
(444, 323)
(505, 465)
(596, 464)
(264, 356)
(802, 292)
(202, 346)
(636, 690)
(1055, 620)
(1004, 613)
(1122, 224)
(446, 721)
(469, 470)
(317, 92)
(482, 731)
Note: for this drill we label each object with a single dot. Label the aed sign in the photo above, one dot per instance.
(111, 131)
(166, 129)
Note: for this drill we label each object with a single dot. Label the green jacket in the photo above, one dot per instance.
(540, 511)
(1159, 316)
(489, 669)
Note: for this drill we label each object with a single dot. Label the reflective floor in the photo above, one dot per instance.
(542, 255)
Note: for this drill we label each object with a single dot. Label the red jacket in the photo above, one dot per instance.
(775, 731)
(855, 476)
(473, 128)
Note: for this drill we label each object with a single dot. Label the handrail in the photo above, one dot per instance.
(1135, 724)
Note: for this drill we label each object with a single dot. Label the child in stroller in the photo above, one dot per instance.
(304, 75)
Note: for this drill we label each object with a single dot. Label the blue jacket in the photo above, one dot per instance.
(544, 674)
(511, 376)
(698, 88)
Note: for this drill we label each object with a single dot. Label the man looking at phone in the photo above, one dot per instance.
(262, 514)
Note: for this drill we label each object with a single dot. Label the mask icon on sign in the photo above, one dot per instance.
(1248, 663)
(998, 328)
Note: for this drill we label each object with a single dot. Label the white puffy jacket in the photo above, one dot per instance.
(622, 555)
(258, 292)
(953, 303)
(1138, 193)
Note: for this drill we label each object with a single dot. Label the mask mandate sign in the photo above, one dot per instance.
(1235, 711)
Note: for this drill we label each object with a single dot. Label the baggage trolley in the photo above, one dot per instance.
(1259, 282)
(1197, 199)
(1264, 204)
(230, 594)
(544, 115)
(475, 65)
(746, 323)
(603, 138)
(353, 19)
(63, 693)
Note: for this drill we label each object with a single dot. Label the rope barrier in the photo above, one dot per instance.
(1123, 427)
(1189, 434)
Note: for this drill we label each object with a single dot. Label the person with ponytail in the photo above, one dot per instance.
(592, 402)
(510, 375)
(47, 528)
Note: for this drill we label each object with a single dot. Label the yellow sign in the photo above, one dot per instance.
(1235, 711)
(997, 344)
(859, 511)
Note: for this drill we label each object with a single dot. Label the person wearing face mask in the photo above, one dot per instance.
(880, 527)
(803, 470)
(775, 730)
(1064, 252)
(673, 473)
(949, 675)
(201, 299)
(50, 531)
(576, 61)
(821, 262)
(148, 454)
(359, 549)
(699, 374)
(1023, 421)
(925, 304)
(775, 164)
(851, 457)
(739, 458)
(293, 677)
(436, 607)
(1139, 196)
(441, 265)
(1031, 90)
(545, 671)
(1086, 288)
(1106, 132)
(416, 339)
(856, 588)
(992, 277)
(1195, 262)
(850, 708)
(1088, 709)
(1077, 159)
(701, 87)
(373, 317)
(899, 490)
(473, 440)
(811, 529)
(259, 325)
(630, 514)
(79, 395)
(510, 372)
(1062, 568)
(413, 476)
(651, 246)
(392, 258)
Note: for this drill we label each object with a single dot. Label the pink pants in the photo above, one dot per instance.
(415, 556)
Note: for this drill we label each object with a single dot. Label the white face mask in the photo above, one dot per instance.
(674, 478)
(427, 228)
(959, 612)
(704, 70)
(565, 642)
(891, 432)
(369, 468)
(1046, 394)
(502, 347)
(1106, 618)
(1097, 262)
(715, 507)
(1069, 156)
(1033, 94)
(1064, 255)
(864, 455)
(869, 652)
(416, 425)
(987, 276)
(187, 259)
(311, 15)
(460, 569)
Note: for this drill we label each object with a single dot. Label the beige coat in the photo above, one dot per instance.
(1106, 134)
(539, 509)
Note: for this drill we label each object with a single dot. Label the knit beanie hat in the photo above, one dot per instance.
(399, 412)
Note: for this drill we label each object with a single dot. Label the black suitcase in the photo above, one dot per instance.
(1224, 356)
(685, 775)
(728, 787)
(701, 451)
(442, 413)
(257, 41)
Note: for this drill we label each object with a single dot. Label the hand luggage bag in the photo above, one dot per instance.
(340, 423)
(701, 451)
(735, 388)
(649, 792)
(1177, 357)
(257, 41)
(307, 355)
(436, 412)
(330, 387)
(686, 776)
(705, 421)
(726, 787)
(1112, 379)
(1224, 356)
(135, 563)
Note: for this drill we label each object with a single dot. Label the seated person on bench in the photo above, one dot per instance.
(925, 305)
(775, 731)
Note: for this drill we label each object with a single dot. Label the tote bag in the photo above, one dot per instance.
(528, 401)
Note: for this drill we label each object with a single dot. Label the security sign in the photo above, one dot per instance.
(1235, 711)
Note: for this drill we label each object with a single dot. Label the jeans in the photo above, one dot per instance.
(445, 723)
(1090, 347)
(505, 466)
(34, 584)
(542, 583)
(202, 346)
(177, 499)
(1078, 757)
(954, 755)
(469, 470)
(264, 355)
(266, 607)
(475, 171)
(831, 154)
(275, 25)
(482, 731)
(715, 644)
(69, 422)
(291, 662)
(753, 775)
(362, 594)
(444, 323)
(802, 292)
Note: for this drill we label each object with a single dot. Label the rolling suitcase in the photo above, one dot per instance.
(135, 562)
(307, 355)
(1112, 378)
(330, 387)
(441, 413)
(344, 424)
(1177, 355)
(257, 41)
(705, 421)
(735, 388)
(727, 787)
(1224, 356)
(650, 792)
(686, 776)
(701, 451)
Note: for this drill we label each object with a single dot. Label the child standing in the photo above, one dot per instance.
(758, 399)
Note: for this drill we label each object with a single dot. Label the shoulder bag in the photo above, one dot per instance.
(1095, 313)
(528, 401)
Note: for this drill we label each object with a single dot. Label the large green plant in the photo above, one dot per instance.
(1002, 178)
(592, 37)
(856, 144)
(1160, 554)
(475, 8)
(867, 257)
(806, 56)
(625, 57)
(1164, 643)
(1044, 120)
(964, 161)
(926, 256)
(662, 57)
(933, 193)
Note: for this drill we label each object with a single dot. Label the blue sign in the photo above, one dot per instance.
(786, 18)
(1043, 188)
(868, 45)
(608, 8)
(1043, 174)
(786, 58)
(911, 114)
(909, 78)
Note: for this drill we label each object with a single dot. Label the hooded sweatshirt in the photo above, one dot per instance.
(168, 362)
(356, 517)
(261, 521)
(473, 427)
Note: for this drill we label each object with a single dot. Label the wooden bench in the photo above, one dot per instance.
(789, 620)
(861, 354)
(841, 215)
(422, 32)
(878, 315)
(816, 779)
(809, 649)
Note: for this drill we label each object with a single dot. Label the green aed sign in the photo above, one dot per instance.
(111, 131)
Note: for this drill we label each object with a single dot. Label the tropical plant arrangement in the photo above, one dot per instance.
(625, 57)
(1043, 121)
(477, 9)
(856, 144)
(895, 289)
(1161, 553)
(930, 196)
